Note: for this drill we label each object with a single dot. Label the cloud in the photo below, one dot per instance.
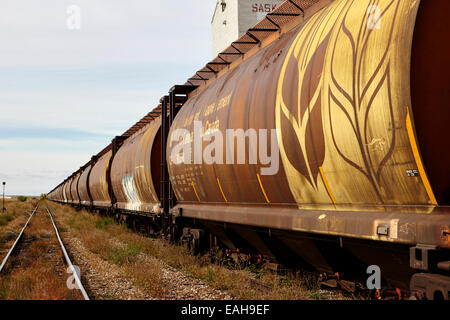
(65, 94)
(51, 133)
(33, 172)
(102, 98)
(111, 31)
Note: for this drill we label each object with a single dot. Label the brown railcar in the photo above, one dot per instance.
(74, 189)
(99, 181)
(83, 186)
(136, 169)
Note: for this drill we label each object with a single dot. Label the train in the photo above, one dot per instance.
(317, 139)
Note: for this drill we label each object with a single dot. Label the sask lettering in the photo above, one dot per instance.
(259, 7)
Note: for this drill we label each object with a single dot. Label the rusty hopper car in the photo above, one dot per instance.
(57, 194)
(99, 181)
(136, 170)
(67, 197)
(350, 100)
(74, 188)
(83, 186)
(71, 189)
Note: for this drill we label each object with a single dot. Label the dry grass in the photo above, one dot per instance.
(15, 209)
(36, 282)
(100, 235)
(149, 278)
(13, 220)
(37, 270)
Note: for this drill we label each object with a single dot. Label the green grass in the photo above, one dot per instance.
(121, 256)
(62, 229)
(102, 223)
(210, 275)
(5, 219)
(71, 221)
(22, 198)
(315, 295)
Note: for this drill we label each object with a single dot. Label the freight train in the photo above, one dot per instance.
(339, 159)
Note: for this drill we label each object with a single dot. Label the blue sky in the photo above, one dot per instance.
(64, 94)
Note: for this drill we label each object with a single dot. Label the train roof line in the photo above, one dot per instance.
(280, 20)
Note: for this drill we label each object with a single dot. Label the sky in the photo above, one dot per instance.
(66, 92)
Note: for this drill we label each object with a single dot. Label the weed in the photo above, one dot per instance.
(5, 219)
(148, 278)
(316, 295)
(285, 281)
(71, 221)
(102, 223)
(121, 256)
(210, 275)
(251, 268)
(96, 242)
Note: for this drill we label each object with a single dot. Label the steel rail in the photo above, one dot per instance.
(66, 256)
(5, 260)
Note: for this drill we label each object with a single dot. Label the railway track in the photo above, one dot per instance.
(16, 250)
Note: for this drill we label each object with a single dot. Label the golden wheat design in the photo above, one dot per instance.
(355, 97)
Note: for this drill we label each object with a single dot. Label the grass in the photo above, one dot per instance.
(37, 282)
(102, 223)
(124, 248)
(128, 254)
(6, 218)
(210, 275)
(148, 278)
(17, 212)
(316, 295)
